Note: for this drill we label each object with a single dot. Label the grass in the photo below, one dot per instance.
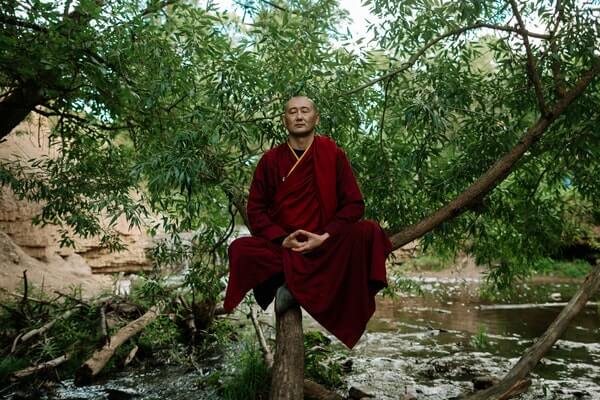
(250, 376)
(544, 266)
(430, 262)
(480, 341)
(564, 269)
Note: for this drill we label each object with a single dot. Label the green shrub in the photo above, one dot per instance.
(319, 365)
(250, 376)
(10, 364)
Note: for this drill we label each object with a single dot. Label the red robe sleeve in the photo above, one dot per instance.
(259, 200)
(351, 206)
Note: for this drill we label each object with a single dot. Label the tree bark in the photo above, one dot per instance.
(40, 367)
(47, 326)
(288, 372)
(17, 106)
(94, 365)
(532, 356)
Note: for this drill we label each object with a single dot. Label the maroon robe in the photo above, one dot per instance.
(335, 283)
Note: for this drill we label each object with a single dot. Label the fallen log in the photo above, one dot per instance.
(513, 383)
(484, 307)
(47, 326)
(40, 367)
(96, 363)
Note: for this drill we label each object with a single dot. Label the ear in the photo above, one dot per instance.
(283, 121)
(318, 119)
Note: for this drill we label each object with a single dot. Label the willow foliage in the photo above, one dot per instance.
(166, 107)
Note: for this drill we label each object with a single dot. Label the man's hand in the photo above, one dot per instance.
(311, 242)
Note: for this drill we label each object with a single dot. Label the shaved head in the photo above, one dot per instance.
(300, 116)
(301, 98)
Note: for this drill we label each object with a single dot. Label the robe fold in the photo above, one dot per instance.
(335, 283)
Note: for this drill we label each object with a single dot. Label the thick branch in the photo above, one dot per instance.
(555, 64)
(17, 106)
(545, 342)
(532, 71)
(40, 367)
(497, 172)
(239, 201)
(413, 59)
(47, 326)
(96, 363)
(78, 119)
(24, 99)
(14, 21)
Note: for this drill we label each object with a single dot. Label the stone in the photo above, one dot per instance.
(43, 243)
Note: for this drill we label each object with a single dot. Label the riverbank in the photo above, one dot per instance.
(464, 267)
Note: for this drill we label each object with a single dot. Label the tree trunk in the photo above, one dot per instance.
(287, 380)
(94, 365)
(532, 356)
(17, 106)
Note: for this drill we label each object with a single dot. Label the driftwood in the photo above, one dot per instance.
(29, 298)
(512, 383)
(44, 328)
(484, 307)
(49, 325)
(94, 365)
(40, 367)
(24, 302)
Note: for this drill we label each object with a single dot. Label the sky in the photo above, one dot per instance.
(358, 13)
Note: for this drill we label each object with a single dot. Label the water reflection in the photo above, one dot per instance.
(424, 344)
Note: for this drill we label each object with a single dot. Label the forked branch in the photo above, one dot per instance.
(532, 70)
(415, 57)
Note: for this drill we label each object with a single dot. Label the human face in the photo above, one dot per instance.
(300, 117)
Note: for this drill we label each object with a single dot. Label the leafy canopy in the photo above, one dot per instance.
(167, 106)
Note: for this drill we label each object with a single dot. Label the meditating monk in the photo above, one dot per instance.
(308, 243)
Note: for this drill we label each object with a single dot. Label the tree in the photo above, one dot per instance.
(465, 107)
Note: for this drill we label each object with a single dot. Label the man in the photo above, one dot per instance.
(304, 209)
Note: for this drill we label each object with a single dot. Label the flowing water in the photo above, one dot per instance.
(431, 346)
